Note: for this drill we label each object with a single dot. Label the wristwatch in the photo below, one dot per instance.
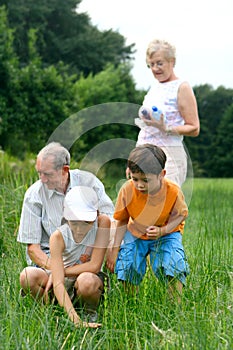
(168, 130)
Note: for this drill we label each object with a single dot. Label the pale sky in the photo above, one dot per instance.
(201, 30)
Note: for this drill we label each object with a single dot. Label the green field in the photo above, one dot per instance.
(146, 321)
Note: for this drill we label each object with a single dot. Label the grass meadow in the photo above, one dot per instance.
(146, 321)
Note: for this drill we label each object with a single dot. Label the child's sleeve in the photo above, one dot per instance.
(121, 212)
(180, 207)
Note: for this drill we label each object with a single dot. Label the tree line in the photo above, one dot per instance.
(54, 63)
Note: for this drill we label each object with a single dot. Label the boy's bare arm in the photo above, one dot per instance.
(154, 232)
(112, 253)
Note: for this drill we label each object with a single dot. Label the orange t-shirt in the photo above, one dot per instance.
(143, 210)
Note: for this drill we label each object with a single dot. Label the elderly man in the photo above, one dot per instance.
(42, 211)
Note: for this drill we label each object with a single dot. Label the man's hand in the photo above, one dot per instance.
(38, 256)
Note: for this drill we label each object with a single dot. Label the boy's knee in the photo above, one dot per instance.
(31, 276)
(88, 284)
(23, 279)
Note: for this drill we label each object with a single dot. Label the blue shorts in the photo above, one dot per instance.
(167, 258)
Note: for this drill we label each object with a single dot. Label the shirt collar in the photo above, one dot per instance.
(52, 192)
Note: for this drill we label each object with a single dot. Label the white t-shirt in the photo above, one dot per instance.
(164, 97)
(73, 251)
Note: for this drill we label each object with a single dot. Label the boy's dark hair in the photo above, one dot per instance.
(146, 159)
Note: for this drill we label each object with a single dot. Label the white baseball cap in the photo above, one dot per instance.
(81, 203)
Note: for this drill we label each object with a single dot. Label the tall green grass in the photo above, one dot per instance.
(144, 321)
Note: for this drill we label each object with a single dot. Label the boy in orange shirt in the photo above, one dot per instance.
(150, 213)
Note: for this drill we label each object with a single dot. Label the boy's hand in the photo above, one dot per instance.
(111, 258)
(49, 286)
(154, 232)
(85, 324)
(90, 325)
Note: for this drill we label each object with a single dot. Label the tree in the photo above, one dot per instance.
(212, 104)
(65, 35)
(221, 161)
(8, 69)
(40, 101)
(34, 99)
(110, 85)
(97, 91)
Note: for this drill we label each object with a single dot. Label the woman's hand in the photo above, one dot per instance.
(159, 124)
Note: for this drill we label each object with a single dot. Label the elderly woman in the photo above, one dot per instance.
(175, 98)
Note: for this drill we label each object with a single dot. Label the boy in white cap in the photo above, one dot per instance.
(77, 253)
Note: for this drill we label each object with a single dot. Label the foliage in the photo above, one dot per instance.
(213, 104)
(65, 35)
(111, 85)
(37, 99)
(222, 152)
(33, 99)
(109, 120)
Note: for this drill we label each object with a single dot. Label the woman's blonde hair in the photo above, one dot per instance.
(157, 45)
